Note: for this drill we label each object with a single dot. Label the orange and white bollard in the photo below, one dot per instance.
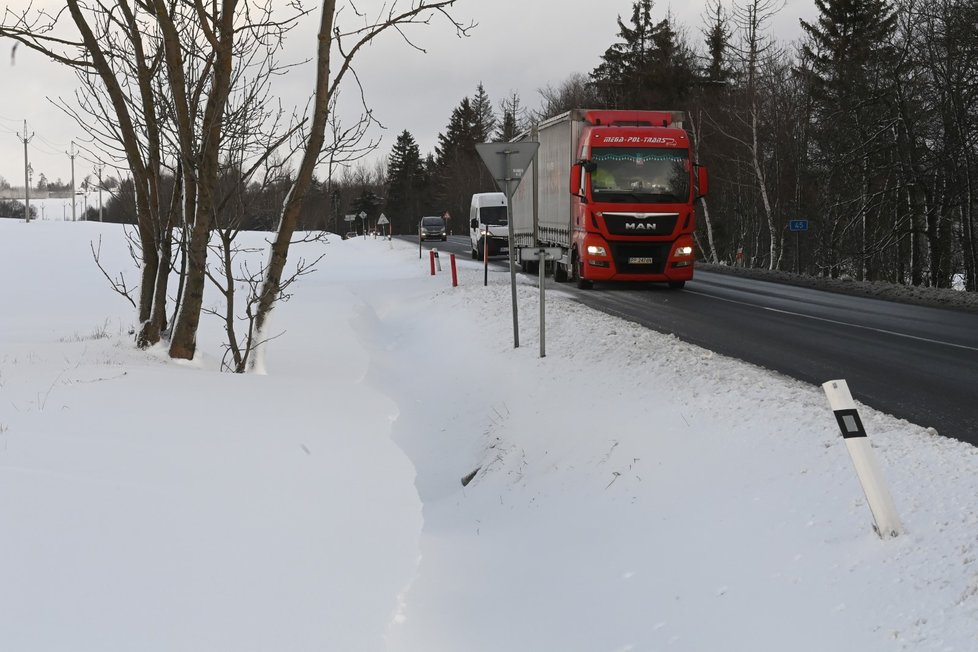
(431, 257)
(454, 272)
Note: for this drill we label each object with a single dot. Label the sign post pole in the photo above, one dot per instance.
(542, 254)
(542, 262)
(510, 188)
(507, 162)
(797, 226)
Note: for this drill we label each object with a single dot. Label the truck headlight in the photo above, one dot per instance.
(682, 252)
(596, 250)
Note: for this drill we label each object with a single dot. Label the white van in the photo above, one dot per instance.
(487, 217)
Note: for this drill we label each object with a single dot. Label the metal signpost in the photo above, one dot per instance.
(797, 226)
(363, 221)
(542, 254)
(507, 162)
(350, 219)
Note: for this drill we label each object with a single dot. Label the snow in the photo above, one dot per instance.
(955, 298)
(633, 492)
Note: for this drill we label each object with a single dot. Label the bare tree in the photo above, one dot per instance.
(172, 85)
(393, 16)
(575, 92)
(753, 48)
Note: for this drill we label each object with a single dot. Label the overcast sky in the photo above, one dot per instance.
(518, 45)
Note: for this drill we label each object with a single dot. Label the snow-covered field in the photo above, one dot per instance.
(633, 493)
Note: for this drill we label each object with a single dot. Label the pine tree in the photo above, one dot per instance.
(850, 71)
(406, 181)
(717, 36)
(484, 114)
(848, 46)
(460, 171)
(651, 68)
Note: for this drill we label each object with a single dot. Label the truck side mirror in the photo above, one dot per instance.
(576, 173)
(703, 181)
(474, 223)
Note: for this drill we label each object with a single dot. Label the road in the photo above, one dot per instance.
(915, 362)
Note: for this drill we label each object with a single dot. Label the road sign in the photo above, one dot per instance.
(507, 162)
(362, 215)
(549, 253)
(383, 219)
(349, 218)
(798, 225)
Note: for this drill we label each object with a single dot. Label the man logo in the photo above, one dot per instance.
(640, 226)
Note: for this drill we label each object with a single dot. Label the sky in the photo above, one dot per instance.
(629, 493)
(517, 46)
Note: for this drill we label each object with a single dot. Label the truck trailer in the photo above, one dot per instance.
(615, 192)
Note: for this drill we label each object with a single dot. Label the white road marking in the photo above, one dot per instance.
(837, 322)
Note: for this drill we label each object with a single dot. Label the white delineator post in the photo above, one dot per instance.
(886, 521)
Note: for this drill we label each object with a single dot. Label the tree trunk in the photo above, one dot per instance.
(773, 231)
(278, 255)
(183, 343)
(695, 128)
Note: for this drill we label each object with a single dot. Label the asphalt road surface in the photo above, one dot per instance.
(917, 363)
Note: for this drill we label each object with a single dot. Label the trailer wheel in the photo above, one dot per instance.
(475, 255)
(677, 285)
(560, 272)
(577, 266)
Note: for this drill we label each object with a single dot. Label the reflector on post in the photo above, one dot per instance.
(886, 522)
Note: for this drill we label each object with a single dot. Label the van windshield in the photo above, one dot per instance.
(495, 215)
(432, 221)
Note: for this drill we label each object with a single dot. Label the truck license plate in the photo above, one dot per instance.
(640, 261)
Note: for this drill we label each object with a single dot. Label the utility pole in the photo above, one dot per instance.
(27, 175)
(99, 193)
(72, 155)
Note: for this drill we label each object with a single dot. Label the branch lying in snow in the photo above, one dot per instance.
(118, 285)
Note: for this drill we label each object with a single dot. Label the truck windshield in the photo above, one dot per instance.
(640, 174)
(495, 215)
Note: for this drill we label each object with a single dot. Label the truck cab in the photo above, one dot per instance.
(488, 223)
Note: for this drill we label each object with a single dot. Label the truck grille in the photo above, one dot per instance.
(640, 223)
(657, 251)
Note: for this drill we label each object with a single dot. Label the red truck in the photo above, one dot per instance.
(629, 213)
